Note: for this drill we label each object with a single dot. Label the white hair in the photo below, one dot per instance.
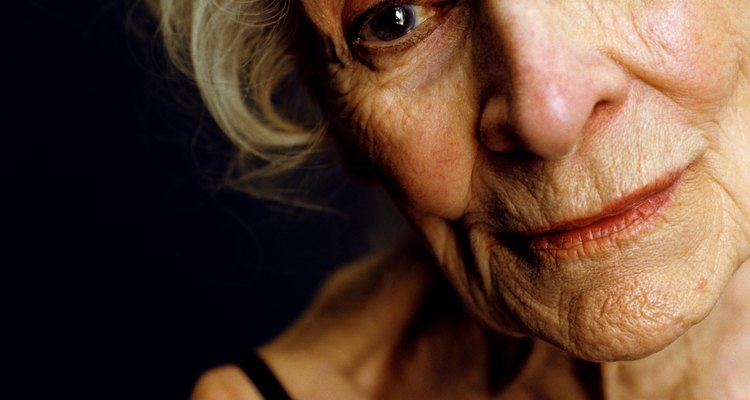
(241, 55)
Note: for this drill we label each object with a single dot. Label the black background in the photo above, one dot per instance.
(124, 273)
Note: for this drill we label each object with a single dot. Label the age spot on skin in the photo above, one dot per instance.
(701, 287)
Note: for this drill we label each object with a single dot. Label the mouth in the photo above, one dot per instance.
(615, 223)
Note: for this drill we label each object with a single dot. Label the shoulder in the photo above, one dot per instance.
(317, 356)
(225, 383)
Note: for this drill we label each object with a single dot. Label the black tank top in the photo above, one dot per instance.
(264, 379)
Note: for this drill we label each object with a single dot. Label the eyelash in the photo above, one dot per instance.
(427, 16)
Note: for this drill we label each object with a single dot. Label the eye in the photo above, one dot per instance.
(390, 22)
(394, 22)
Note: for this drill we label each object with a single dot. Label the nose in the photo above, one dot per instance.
(547, 81)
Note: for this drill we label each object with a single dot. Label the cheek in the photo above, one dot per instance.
(685, 49)
(421, 137)
(428, 156)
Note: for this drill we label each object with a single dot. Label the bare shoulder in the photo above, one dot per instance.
(316, 357)
(224, 383)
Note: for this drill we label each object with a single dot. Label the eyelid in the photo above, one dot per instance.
(425, 12)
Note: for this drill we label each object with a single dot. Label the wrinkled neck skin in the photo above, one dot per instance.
(390, 327)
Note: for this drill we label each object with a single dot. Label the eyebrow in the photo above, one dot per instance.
(354, 8)
(348, 10)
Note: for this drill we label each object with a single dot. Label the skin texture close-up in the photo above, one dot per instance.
(578, 169)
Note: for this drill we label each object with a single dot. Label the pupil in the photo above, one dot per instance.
(392, 23)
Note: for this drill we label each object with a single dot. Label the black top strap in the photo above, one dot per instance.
(264, 379)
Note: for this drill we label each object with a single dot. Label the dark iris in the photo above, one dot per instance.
(392, 23)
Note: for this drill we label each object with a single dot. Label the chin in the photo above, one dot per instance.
(625, 319)
(607, 319)
(629, 326)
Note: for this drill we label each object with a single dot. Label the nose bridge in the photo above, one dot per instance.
(556, 79)
(529, 30)
(539, 54)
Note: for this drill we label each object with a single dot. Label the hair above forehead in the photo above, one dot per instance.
(241, 55)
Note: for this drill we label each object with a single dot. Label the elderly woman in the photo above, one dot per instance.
(577, 174)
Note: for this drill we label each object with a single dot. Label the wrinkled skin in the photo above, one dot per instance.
(494, 120)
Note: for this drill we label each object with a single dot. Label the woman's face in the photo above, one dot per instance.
(580, 169)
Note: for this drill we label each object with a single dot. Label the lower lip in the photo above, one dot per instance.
(605, 232)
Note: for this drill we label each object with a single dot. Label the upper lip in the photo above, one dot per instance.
(613, 208)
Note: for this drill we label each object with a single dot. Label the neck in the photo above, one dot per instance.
(390, 327)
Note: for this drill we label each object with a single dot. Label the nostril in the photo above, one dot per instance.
(498, 139)
(494, 131)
